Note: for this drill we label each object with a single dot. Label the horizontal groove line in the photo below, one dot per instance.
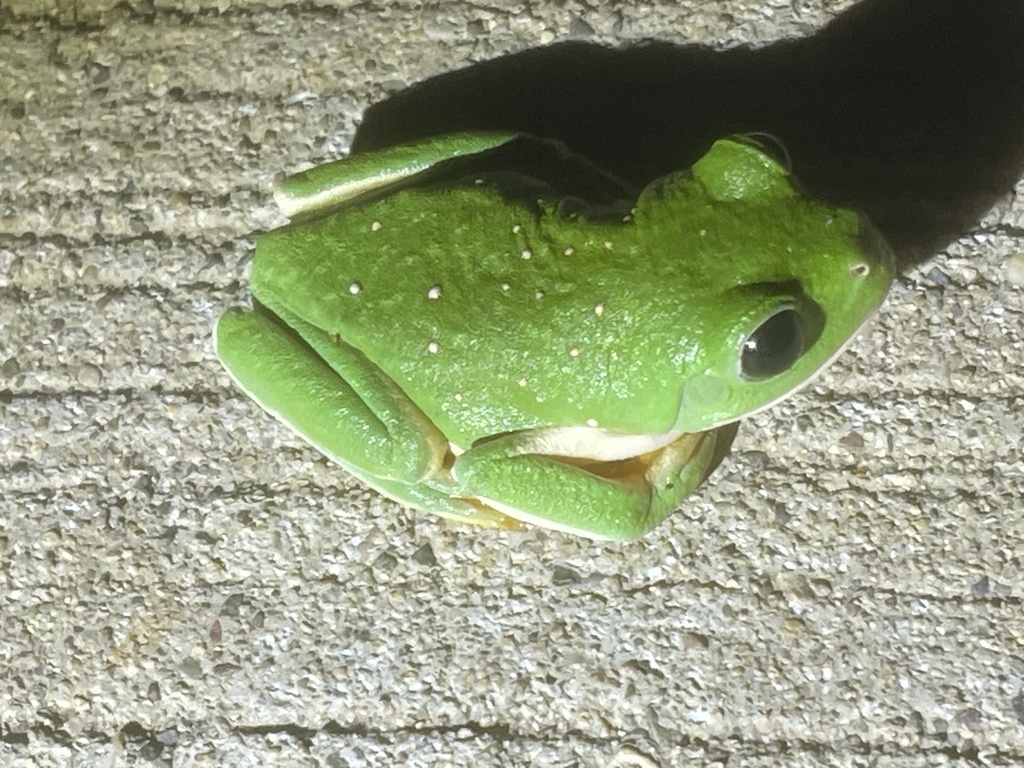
(201, 97)
(127, 393)
(156, 238)
(89, 292)
(212, 12)
(832, 396)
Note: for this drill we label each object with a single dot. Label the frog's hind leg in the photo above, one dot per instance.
(334, 397)
(536, 476)
(334, 184)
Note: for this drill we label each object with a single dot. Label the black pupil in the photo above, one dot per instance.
(773, 347)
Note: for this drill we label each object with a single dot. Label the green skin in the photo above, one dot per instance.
(493, 361)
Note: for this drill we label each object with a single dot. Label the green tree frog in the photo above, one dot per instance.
(477, 341)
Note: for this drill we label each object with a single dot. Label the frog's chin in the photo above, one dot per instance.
(585, 443)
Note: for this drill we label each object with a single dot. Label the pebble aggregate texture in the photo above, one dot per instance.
(182, 582)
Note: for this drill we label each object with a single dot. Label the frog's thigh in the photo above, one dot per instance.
(333, 184)
(437, 498)
(619, 500)
(347, 408)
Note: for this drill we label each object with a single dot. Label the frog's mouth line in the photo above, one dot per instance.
(878, 257)
(811, 376)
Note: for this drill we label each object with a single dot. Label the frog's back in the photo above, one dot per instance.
(492, 317)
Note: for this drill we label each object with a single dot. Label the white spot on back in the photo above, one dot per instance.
(375, 226)
(434, 292)
(433, 348)
(354, 288)
(527, 253)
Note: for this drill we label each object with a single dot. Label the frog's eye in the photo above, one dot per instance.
(773, 346)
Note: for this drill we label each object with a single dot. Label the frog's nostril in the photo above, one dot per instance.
(876, 251)
(860, 270)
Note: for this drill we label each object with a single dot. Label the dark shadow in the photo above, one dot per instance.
(909, 110)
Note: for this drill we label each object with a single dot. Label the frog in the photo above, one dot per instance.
(475, 337)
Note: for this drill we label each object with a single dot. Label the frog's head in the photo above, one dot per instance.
(787, 281)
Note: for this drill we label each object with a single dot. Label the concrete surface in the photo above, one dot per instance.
(183, 583)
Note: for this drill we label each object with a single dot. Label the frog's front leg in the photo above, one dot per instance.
(334, 397)
(548, 477)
